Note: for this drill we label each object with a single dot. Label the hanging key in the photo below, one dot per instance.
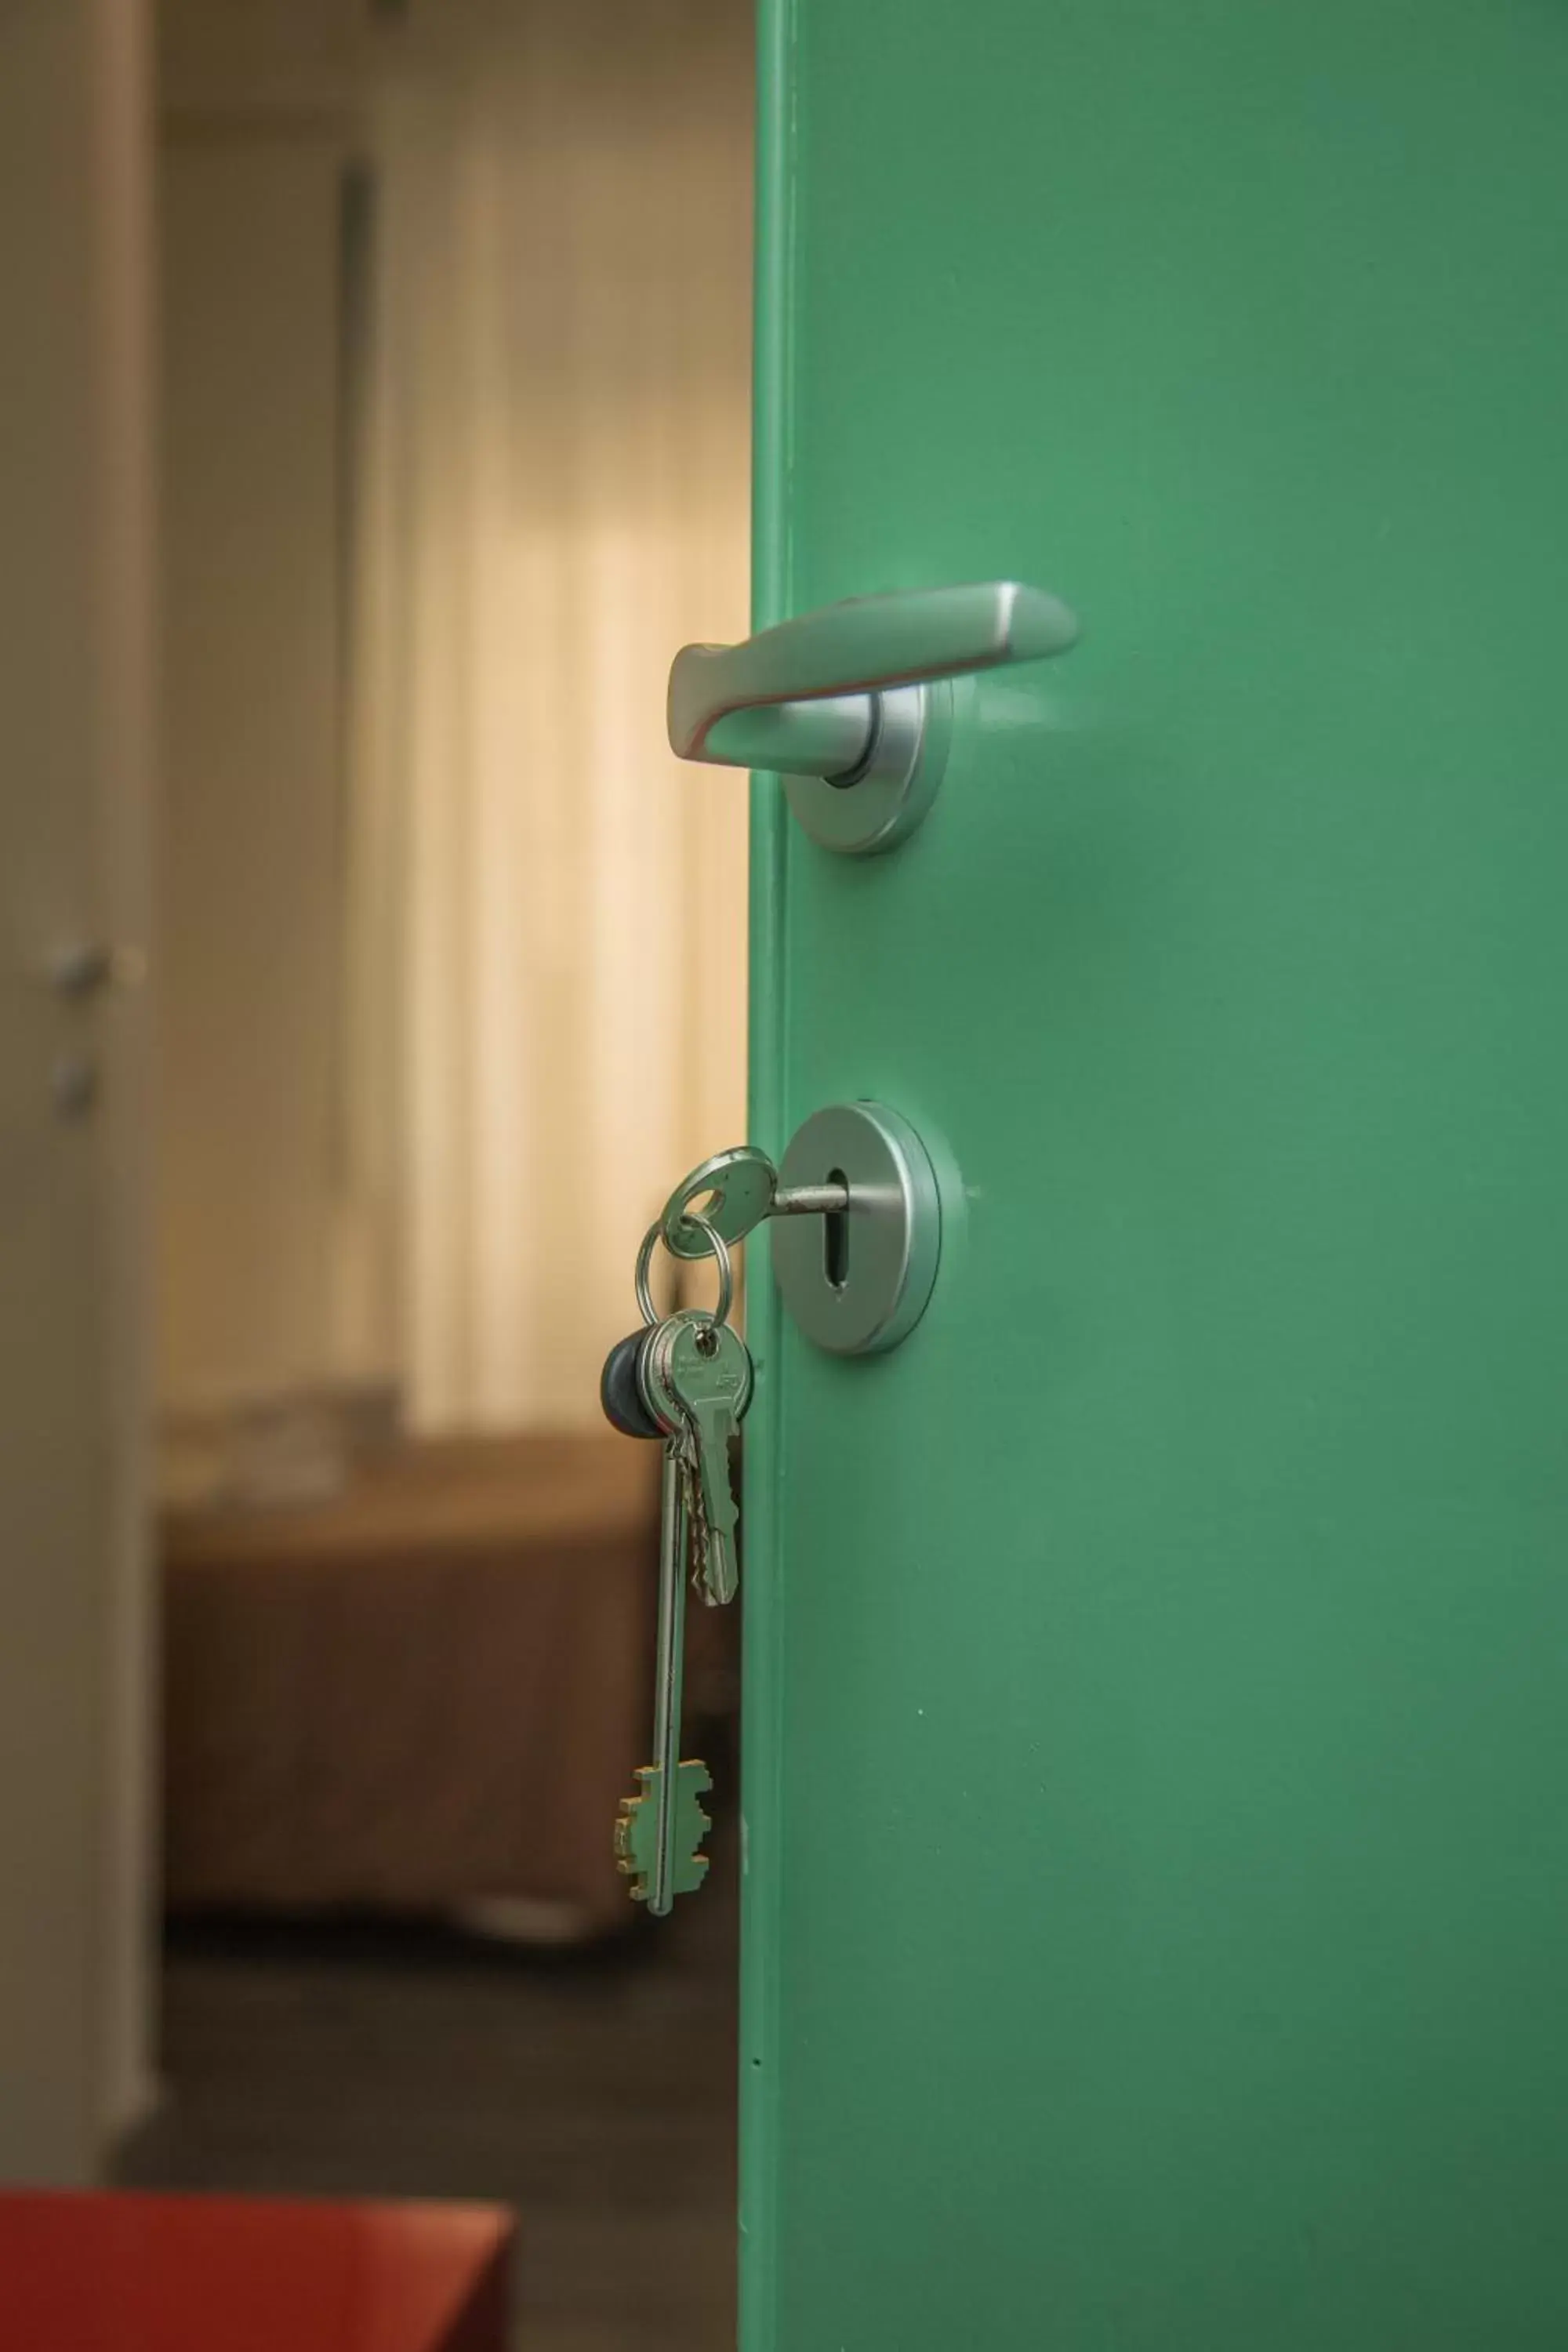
(686, 1377)
(661, 1829)
(695, 1377)
(662, 1406)
(706, 1368)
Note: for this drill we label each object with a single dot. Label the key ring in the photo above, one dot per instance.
(717, 1246)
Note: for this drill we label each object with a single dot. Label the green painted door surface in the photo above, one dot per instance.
(1157, 1670)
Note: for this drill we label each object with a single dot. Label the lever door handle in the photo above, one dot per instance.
(732, 704)
(840, 701)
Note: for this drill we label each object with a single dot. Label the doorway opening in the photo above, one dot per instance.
(456, 352)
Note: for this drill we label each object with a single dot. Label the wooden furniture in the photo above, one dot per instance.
(131, 2273)
(427, 1693)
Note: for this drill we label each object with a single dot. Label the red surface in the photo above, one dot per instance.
(125, 2273)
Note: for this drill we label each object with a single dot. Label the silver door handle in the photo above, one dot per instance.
(840, 701)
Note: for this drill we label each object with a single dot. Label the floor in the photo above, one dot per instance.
(592, 2094)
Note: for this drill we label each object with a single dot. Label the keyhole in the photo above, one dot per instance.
(835, 1238)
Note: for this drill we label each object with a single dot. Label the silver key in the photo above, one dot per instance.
(661, 1828)
(707, 1369)
(696, 1512)
(674, 1541)
(675, 1422)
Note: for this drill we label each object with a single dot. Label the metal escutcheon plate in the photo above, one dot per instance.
(890, 795)
(862, 1289)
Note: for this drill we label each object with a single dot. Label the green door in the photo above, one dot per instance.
(1156, 1791)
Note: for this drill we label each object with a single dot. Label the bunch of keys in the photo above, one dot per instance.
(687, 1379)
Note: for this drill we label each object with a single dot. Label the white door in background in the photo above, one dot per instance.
(75, 149)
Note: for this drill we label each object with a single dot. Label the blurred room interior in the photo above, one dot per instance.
(446, 966)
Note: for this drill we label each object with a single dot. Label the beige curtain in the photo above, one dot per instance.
(547, 992)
